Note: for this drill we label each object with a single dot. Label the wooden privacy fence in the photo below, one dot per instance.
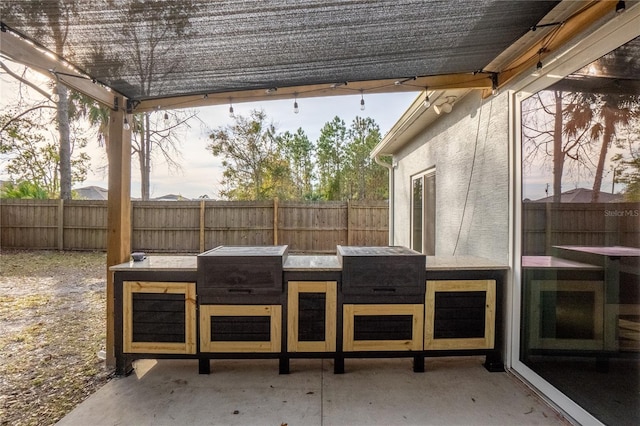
(195, 226)
(583, 224)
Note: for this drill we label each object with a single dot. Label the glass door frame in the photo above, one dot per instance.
(620, 29)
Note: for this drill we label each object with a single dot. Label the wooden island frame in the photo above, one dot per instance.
(458, 310)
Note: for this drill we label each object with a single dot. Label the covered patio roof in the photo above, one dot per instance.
(165, 54)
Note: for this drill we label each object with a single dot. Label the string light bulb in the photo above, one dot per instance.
(295, 105)
(166, 117)
(230, 109)
(361, 100)
(427, 102)
(126, 125)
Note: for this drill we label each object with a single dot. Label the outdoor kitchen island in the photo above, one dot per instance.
(262, 302)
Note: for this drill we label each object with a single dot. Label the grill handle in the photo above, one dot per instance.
(384, 290)
(240, 290)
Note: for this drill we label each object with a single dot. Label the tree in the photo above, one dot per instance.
(54, 23)
(153, 137)
(172, 20)
(345, 169)
(613, 111)
(253, 169)
(23, 190)
(579, 126)
(33, 157)
(331, 148)
(626, 162)
(555, 126)
(298, 150)
(367, 180)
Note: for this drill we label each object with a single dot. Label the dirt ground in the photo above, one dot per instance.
(52, 325)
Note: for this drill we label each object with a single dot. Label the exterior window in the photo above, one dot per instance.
(423, 213)
(580, 324)
(416, 215)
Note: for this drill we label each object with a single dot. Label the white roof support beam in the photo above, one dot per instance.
(24, 52)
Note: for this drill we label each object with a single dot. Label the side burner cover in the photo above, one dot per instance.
(240, 270)
(382, 271)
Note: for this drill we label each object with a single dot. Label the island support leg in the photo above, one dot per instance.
(204, 366)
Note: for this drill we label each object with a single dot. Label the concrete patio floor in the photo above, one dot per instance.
(452, 391)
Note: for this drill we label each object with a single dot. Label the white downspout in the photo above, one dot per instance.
(391, 199)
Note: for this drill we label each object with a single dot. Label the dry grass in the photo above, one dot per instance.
(52, 311)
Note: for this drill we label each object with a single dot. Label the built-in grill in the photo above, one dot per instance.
(382, 274)
(241, 274)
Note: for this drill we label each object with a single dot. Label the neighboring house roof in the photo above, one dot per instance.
(583, 195)
(171, 197)
(92, 193)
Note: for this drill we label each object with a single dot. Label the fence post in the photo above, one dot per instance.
(275, 221)
(201, 226)
(349, 236)
(60, 224)
(547, 228)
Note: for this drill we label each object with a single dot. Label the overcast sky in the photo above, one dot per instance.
(201, 171)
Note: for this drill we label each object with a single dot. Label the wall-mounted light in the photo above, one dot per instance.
(445, 107)
(361, 100)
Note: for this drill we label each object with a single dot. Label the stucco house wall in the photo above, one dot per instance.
(469, 150)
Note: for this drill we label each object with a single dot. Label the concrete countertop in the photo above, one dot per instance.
(463, 263)
(312, 262)
(551, 262)
(160, 263)
(309, 263)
